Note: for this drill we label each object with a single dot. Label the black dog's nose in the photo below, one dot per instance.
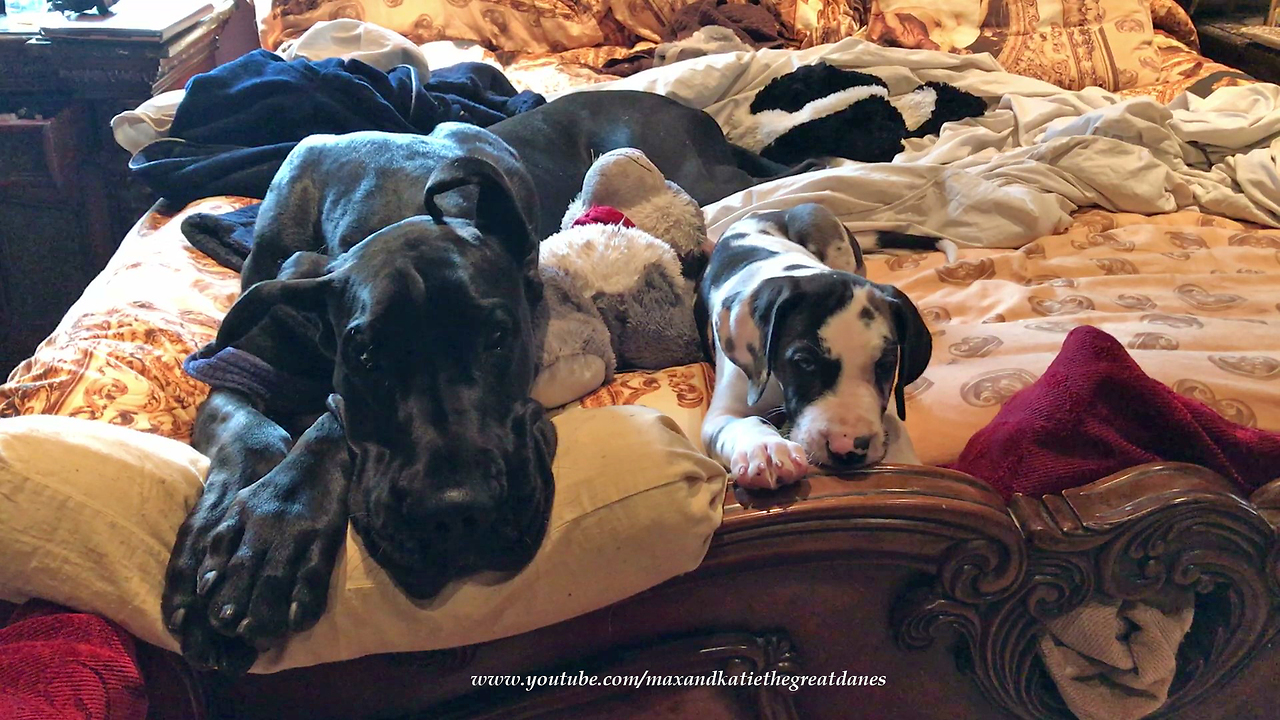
(453, 517)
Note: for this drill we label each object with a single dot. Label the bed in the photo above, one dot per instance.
(923, 575)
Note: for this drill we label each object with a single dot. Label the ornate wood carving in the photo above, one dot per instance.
(1135, 535)
(918, 517)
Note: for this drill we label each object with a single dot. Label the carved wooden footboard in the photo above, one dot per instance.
(922, 576)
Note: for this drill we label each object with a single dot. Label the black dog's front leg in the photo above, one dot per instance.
(242, 445)
(253, 560)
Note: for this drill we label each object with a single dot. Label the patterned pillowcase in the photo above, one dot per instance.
(523, 25)
(806, 22)
(818, 22)
(1070, 43)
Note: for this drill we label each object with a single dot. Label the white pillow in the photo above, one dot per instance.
(88, 512)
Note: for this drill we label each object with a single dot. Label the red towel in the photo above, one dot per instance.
(57, 664)
(1094, 413)
(603, 215)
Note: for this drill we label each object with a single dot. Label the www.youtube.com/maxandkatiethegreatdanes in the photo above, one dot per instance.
(718, 678)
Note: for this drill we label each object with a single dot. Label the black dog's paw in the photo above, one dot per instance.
(183, 610)
(268, 563)
(244, 578)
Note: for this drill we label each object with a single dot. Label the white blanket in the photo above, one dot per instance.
(1016, 173)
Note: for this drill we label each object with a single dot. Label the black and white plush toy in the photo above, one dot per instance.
(823, 111)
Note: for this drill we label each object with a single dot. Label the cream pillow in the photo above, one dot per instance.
(88, 512)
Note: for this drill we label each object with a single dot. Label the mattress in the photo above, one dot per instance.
(1188, 293)
(1194, 297)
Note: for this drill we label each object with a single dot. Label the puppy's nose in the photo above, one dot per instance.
(453, 517)
(848, 452)
(849, 459)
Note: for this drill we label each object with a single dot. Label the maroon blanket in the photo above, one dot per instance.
(57, 664)
(1094, 413)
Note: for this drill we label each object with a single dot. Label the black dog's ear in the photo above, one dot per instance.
(501, 211)
(305, 296)
(915, 343)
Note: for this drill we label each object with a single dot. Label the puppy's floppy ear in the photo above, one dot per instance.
(505, 207)
(915, 343)
(749, 326)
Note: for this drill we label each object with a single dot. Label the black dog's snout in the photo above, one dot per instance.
(454, 517)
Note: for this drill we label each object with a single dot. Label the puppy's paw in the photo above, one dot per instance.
(769, 464)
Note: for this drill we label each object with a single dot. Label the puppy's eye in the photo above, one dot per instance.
(886, 365)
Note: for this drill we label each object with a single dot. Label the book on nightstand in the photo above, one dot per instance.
(147, 20)
(1269, 36)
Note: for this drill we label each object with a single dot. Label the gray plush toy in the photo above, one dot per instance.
(616, 293)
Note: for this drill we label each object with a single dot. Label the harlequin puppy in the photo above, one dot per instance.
(797, 328)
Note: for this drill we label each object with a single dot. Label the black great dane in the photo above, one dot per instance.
(399, 272)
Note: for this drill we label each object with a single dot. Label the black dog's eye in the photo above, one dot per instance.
(804, 360)
(496, 339)
(361, 353)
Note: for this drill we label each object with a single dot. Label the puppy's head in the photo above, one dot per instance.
(840, 347)
(428, 322)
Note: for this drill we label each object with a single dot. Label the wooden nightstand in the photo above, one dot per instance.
(65, 196)
(1244, 43)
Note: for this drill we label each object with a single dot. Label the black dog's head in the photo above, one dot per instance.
(428, 322)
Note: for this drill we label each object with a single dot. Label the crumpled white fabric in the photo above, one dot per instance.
(344, 38)
(355, 40)
(1114, 660)
(150, 121)
(1018, 172)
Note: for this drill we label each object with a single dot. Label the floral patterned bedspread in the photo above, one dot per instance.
(117, 354)
(1193, 297)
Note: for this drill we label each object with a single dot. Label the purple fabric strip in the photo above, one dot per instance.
(234, 369)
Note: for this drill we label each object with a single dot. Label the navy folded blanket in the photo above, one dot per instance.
(236, 123)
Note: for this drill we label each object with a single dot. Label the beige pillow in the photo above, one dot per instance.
(88, 512)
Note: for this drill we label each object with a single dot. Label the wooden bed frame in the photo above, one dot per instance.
(921, 575)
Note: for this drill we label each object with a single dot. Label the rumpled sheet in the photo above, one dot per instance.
(1018, 172)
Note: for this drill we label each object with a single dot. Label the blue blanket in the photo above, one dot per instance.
(236, 124)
